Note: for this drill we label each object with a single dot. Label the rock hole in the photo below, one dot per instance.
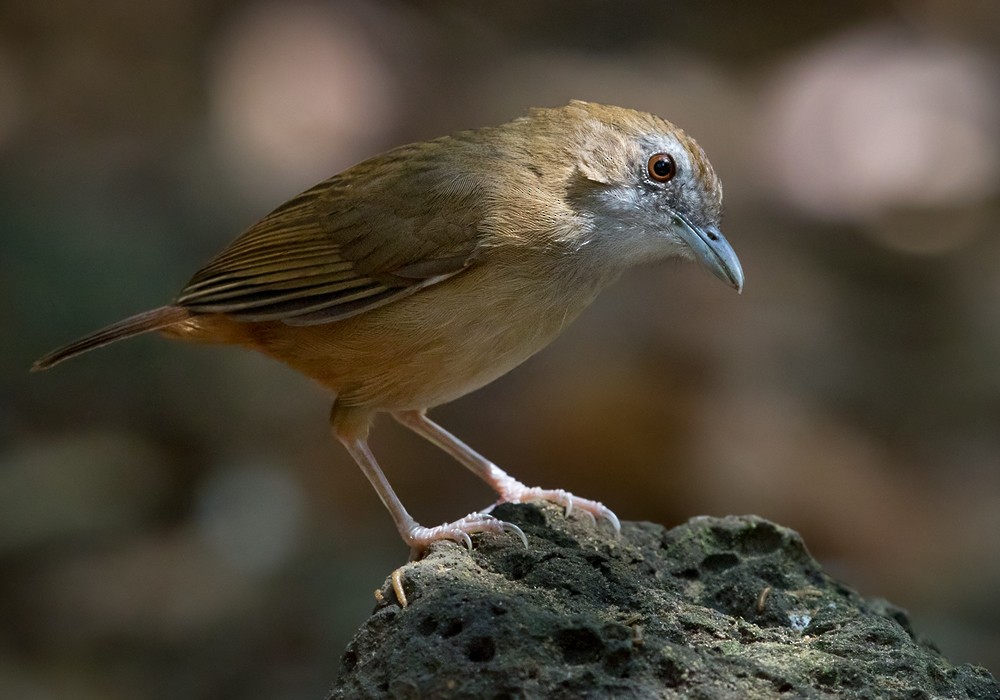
(481, 649)
(427, 626)
(451, 628)
(720, 561)
(763, 538)
(579, 646)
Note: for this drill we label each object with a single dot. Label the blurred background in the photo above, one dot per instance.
(176, 521)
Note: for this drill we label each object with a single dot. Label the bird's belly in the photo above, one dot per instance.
(427, 349)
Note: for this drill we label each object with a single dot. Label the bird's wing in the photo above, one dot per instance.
(355, 242)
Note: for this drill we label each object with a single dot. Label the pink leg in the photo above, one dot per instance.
(510, 489)
(418, 537)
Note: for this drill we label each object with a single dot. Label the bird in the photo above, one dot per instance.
(426, 272)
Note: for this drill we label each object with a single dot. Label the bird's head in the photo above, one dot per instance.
(645, 189)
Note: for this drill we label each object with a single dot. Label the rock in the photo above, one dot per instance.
(716, 608)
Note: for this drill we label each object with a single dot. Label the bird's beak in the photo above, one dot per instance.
(711, 250)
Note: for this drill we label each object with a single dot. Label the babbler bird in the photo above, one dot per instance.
(424, 273)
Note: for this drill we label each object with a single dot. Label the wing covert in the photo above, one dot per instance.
(352, 243)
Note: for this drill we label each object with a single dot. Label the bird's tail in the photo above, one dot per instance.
(133, 325)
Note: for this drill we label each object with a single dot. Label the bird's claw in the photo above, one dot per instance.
(519, 493)
(420, 538)
(511, 527)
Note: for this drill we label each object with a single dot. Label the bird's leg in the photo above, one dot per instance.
(351, 429)
(510, 489)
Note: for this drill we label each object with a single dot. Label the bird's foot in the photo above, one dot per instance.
(516, 492)
(420, 538)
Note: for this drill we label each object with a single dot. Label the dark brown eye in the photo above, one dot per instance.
(661, 167)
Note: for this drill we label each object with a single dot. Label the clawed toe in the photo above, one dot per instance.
(591, 509)
(420, 538)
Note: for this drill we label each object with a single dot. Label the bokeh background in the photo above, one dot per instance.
(175, 521)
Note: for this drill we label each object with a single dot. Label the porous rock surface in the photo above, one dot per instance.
(716, 608)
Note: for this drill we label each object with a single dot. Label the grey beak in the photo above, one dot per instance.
(712, 251)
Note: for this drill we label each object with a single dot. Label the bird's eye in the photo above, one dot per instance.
(661, 167)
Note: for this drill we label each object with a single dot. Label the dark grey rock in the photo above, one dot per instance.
(716, 608)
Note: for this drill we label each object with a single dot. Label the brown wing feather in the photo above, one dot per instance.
(357, 241)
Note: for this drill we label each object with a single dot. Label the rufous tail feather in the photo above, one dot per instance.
(133, 325)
